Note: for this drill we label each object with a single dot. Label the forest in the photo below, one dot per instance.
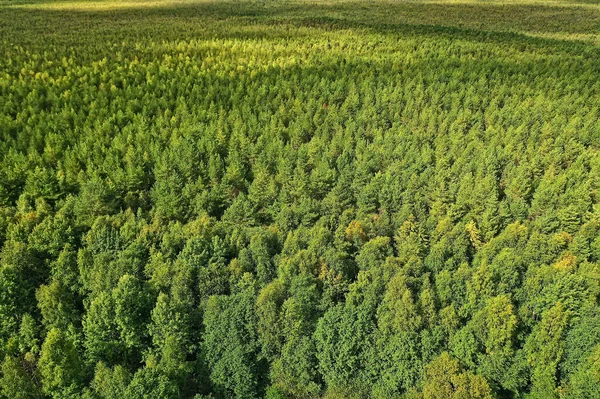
(297, 199)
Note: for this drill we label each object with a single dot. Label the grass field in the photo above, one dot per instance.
(300, 199)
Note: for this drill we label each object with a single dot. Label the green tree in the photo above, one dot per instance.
(102, 338)
(19, 379)
(56, 305)
(60, 366)
(445, 380)
(231, 344)
(545, 349)
(585, 381)
(132, 312)
(110, 383)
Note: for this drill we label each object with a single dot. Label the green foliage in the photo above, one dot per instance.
(19, 379)
(149, 382)
(444, 379)
(110, 383)
(60, 366)
(584, 382)
(545, 349)
(285, 199)
(231, 344)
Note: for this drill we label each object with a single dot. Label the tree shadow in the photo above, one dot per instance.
(506, 25)
(467, 20)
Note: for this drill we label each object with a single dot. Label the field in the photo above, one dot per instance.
(300, 199)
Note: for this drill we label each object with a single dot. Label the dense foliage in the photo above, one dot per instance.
(288, 200)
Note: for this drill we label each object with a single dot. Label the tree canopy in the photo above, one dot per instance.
(299, 200)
